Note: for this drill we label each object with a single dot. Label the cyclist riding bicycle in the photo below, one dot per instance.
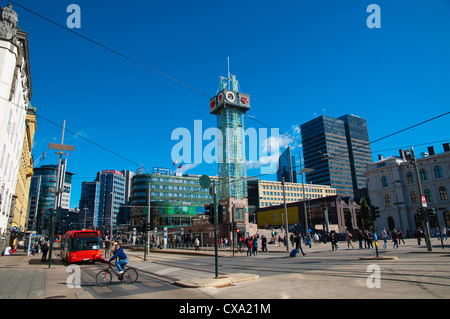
(119, 253)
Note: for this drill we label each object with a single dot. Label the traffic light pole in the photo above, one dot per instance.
(426, 229)
(216, 249)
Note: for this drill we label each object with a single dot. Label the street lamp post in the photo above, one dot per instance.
(285, 216)
(60, 147)
(304, 170)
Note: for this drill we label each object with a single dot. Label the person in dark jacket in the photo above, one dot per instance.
(298, 243)
(44, 252)
(123, 259)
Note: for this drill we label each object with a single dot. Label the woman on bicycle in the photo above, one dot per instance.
(119, 253)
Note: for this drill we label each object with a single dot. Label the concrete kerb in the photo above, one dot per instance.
(221, 281)
(379, 258)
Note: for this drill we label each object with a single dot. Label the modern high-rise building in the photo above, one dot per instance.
(230, 106)
(359, 152)
(338, 151)
(109, 191)
(42, 195)
(112, 196)
(286, 167)
(89, 204)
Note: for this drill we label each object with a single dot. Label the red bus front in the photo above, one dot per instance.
(79, 246)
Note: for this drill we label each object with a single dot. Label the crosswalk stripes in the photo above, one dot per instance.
(144, 284)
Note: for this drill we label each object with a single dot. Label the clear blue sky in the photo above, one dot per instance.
(297, 59)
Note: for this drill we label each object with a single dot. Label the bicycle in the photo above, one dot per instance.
(104, 277)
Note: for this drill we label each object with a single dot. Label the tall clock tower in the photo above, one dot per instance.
(230, 106)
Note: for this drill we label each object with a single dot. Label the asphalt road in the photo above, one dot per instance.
(320, 274)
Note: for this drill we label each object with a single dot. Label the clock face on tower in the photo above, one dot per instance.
(220, 98)
(230, 97)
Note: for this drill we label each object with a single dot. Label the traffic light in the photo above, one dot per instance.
(141, 227)
(431, 212)
(375, 212)
(234, 226)
(209, 211)
(147, 227)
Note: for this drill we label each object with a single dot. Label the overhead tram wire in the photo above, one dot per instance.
(395, 133)
(77, 135)
(188, 87)
(414, 145)
(109, 49)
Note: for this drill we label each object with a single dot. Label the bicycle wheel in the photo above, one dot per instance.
(130, 276)
(103, 278)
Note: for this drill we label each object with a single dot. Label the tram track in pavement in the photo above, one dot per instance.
(396, 274)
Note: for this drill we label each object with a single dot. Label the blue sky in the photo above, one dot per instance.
(297, 59)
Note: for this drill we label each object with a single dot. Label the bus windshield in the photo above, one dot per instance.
(86, 243)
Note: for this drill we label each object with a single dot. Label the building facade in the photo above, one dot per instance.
(263, 193)
(15, 96)
(326, 213)
(286, 167)
(393, 187)
(175, 201)
(338, 150)
(20, 213)
(112, 196)
(42, 195)
(89, 204)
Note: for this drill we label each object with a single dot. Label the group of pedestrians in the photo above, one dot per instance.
(396, 236)
(40, 245)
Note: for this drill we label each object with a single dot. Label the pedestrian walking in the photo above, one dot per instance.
(316, 239)
(44, 252)
(369, 239)
(298, 243)
(400, 236)
(395, 238)
(348, 239)
(197, 244)
(263, 243)
(334, 242)
(384, 236)
(255, 246)
(249, 244)
(360, 238)
(418, 235)
(444, 232)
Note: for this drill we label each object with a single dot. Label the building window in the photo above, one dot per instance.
(414, 198)
(443, 193)
(418, 220)
(410, 178)
(447, 218)
(387, 199)
(428, 196)
(391, 223)
(384, 181)
(423, 175)
(438, 171)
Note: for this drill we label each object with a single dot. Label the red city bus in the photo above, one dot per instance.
(81, 245)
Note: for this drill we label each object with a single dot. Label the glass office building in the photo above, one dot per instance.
(42, 195)
(174, 200)
(338, 151)
(90, 204)
(286, 167)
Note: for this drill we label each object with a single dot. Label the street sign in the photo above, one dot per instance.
(424, 201)
(205, 181)
(61, 147)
